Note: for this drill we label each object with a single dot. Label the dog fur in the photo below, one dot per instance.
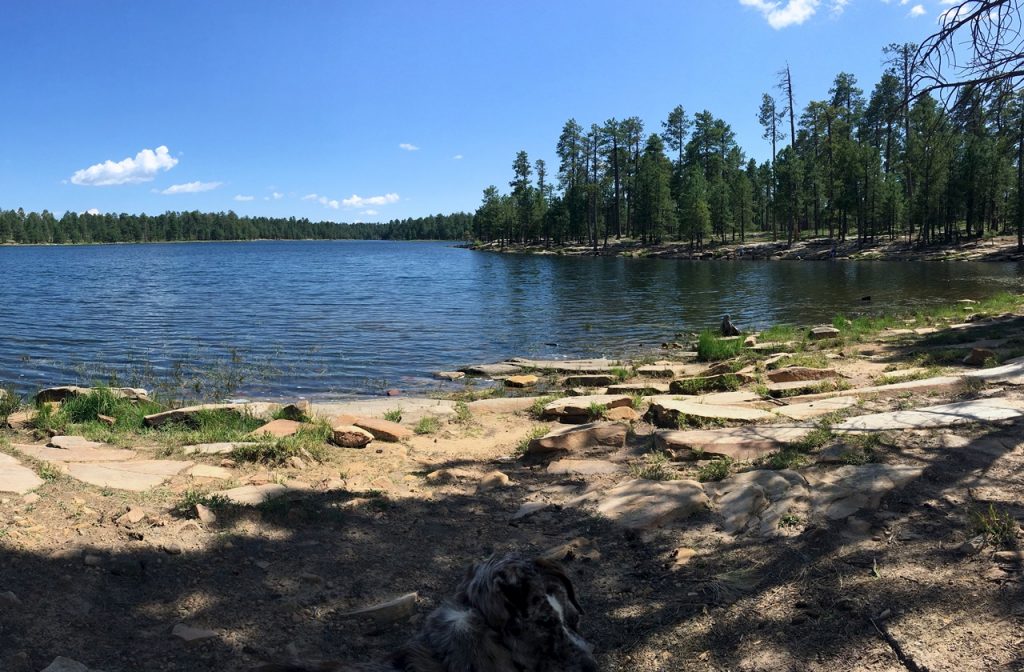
(509, 614)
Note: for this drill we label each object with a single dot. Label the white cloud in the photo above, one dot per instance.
(243, 197)
(779, 15)
(408, 147)
(309, 197)
(142, 168)
(92, 211)
(369, 212)
(190, 188)
(457, 157)
(916, 11)
(277, 195)
(360, 202)
(839, 6)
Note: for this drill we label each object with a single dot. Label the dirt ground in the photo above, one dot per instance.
(887, 590)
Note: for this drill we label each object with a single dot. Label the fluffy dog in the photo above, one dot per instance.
(509, 614)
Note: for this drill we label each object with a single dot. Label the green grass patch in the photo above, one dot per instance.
(393, 415)
(535, 433)
(714, 470)
(890, 379)
(712, 348)
(726, 382)
(781, 333)
(186, 506)
(463, 416)
(621, 374)
(536, 409)
(596, 411)
(308, 442)
(654, 467)
(10, 401)
(997, 525)
(428, 424)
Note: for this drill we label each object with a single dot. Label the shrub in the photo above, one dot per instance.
(428, 424)
(535, 433)
(715, 470)
(655, 467)
(394, 415)
(10, 401)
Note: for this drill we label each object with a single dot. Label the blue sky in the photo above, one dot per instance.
(368, 111)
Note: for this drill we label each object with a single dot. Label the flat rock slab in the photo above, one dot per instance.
(756, 500)
(581, 437)
(1011, 373)
(383, 430)
(936, 384)
(413, 408)
(49, 454)
(279, 428)
(522, 380)
(945, 415)
(792, 373)
(216, 448)
(567, 365)
(643, 504)
(491, 370)
(667, 412)
(737, 443)
(589, 380)
(573, 409)
(793, 386)
(585, 467)
(839, 492)
(188, 413)
(639, 388)
(501, 405)
(252, 495)
(16, 478)
(210, 471)
(73, 442)
(134, 476)
(669, 370)
(813, 409)
(727, 398)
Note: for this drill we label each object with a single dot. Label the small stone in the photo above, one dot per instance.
(205, 514)
(973, 545)
(107, 420)
(170, 548)
(10, 599)
(447, 475)
(682, 557)
(134, 516)
(189, 634)
(30, 498)
(824, 332)
(492, 480)
(91, 560)
(278, 428)
(295, 462)
(350, 436)
(526, 380)
(62, 664)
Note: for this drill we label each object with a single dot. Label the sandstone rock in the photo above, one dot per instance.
(135, 476)
(350, 436)
(216, 448)
(566, 365)
(491, 370)
(813, 409)
(839, 492)
(682, 556)
(945, 415)
(978, 357)
(750, 341)
(190, 635)
(298, 411)
(579, 548)
(578, 438)
(578, 409)
(107, 420)
(757, 499)
(795, 373)
(450, 375)
(591, 380)
(134, 516)
(585, 467)
(210, 471)
(16, 478)
(448, 475)
(1011, 373)
(642, 504)
(666, 412)
(720, 381)
(639, 388)
(494, 480)
(277, 429)
(622, 414)
(501, 405)
(205, 514)
(383, 430)
(391, 611)
(295, 462)
(824, 332)
(74, 443)
(737, 443)
(524, 380)
(253, 494)
(793, 387)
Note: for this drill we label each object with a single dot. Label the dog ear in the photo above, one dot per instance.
(554, 570)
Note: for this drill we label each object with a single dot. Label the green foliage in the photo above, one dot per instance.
(596, 411)
(463, 415)
(393, 415)
(788, 458)
(535, 433)
(308, 442)
(724, 383)
(10, 401)
(103, 401)
(621, 374)
(780, 333)
(428, 424)
(211, 426)
(789, 520)
(654, 467)
(186, 506)
(48, 472)
(998, 526)
(712, 348)
(714, 470)
(536, 409)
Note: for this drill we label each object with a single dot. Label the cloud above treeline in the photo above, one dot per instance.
(784, 13)
(142, 168)
(191, 188)
(408, 147)
(353, 201)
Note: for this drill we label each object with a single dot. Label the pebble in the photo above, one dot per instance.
(91, 560)
(189, 634)
(170, 548)
(204, 514)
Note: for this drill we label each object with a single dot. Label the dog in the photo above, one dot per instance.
(509, 614)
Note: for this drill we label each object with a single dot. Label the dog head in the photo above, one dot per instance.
(532, 605)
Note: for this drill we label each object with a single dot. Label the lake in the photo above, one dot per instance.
(337, 318)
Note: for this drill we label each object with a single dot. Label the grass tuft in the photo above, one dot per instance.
(654, 467)
(715, 470)
(428, 424)
(711, 348)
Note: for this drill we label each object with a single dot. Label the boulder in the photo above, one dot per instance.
(578, 409)
(350, 436)
(642, 504)
(824, 332)
(800, 373)
(978, 357)
(524, 380)
(591, 380)
(577, 438)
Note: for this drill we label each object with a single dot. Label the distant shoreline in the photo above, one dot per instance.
(995, 249)
(240, 240)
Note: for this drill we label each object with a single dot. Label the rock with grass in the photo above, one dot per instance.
(383, 430)
(188, 414)
(81, 454)
(813, 409)
(722, 382)
(522, 380)
(638, 388)
(589, 380)
(578, 410)
(824, 333)
(350, 436)
(641, 504)
(277, 429)
(492, 370)
(736, 443)
(979, 357)
(579, 438)
(63, 393)
(669, 412)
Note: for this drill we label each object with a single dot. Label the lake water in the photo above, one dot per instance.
(340, 318)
